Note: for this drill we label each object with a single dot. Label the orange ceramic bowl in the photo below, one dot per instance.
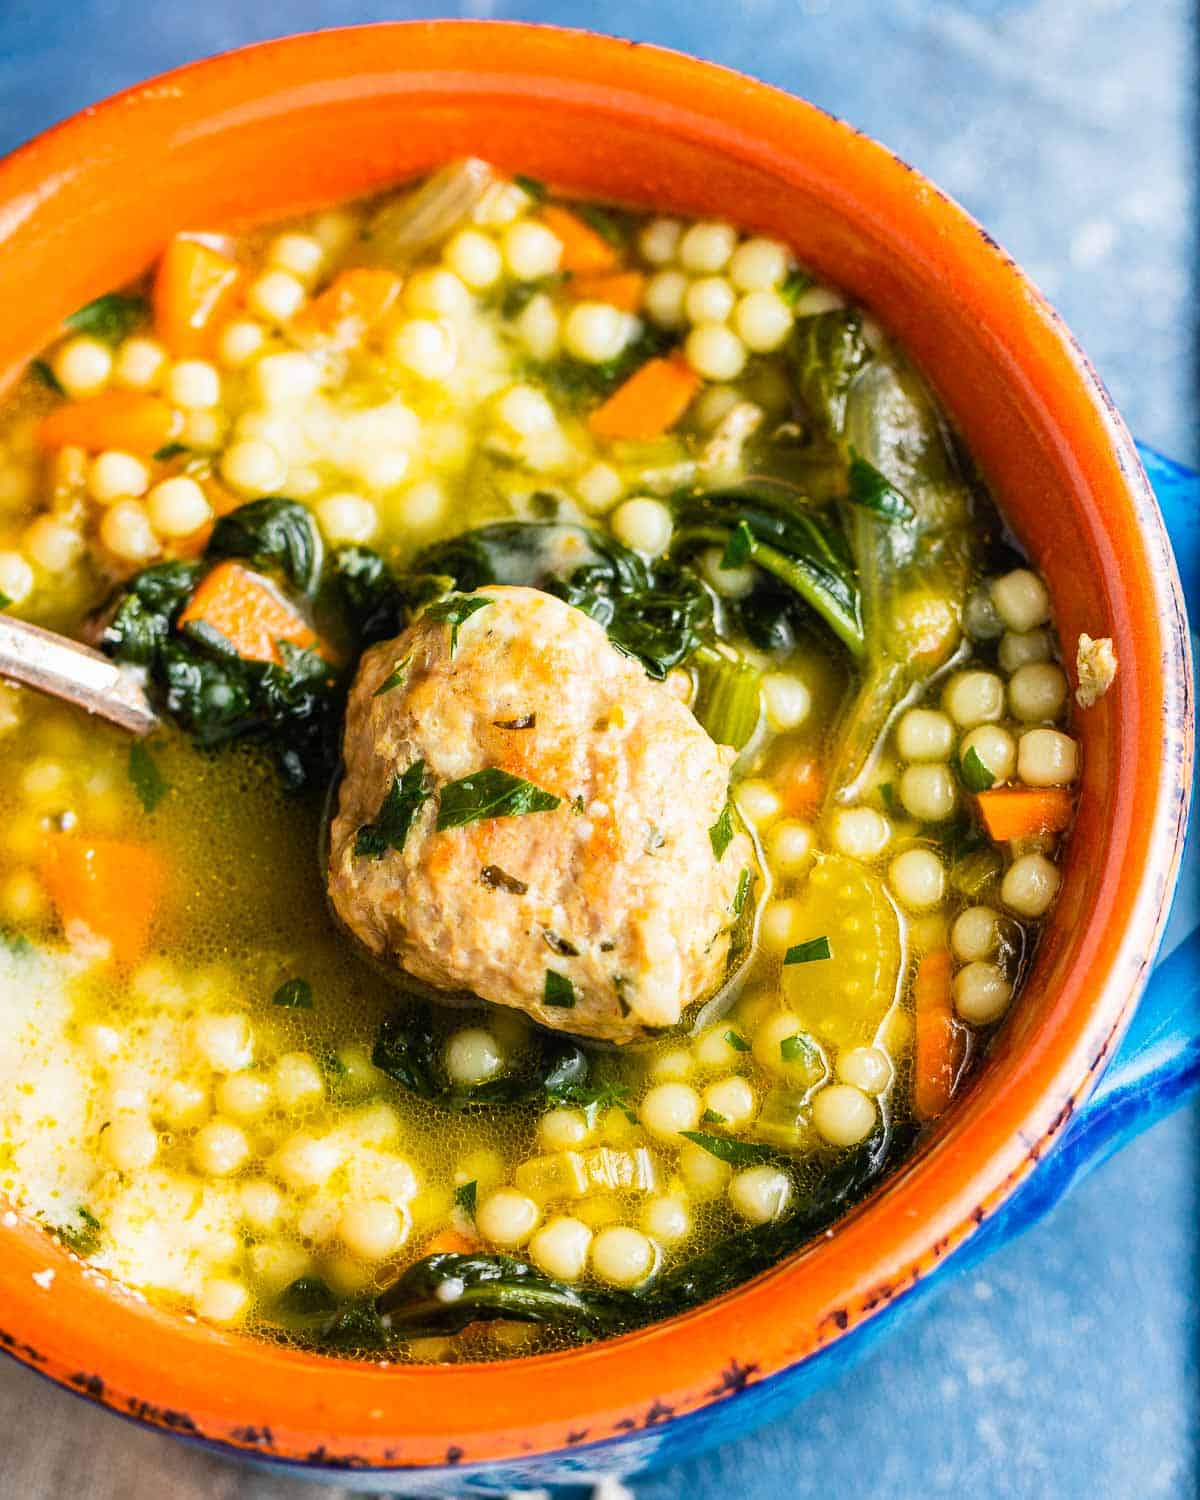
(290, 125)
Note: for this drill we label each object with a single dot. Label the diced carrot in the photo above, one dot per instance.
(127, 420)
(354, 303)
(940, 1042)
(583, 248)
(650, 402)
(803, 786)
(448, 1242)
(195, 287)
(106, 889)
(621, 289)
(1017, 812)
(244, 608)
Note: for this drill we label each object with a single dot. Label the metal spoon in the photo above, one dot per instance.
(63, 669)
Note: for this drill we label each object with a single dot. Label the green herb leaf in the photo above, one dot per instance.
(294, 994)
(465, 1195)
(799, 1048)
(84, 1237)
(272, 533)
(148, 781)
(740, 548)
(720, 835)
(726, 1148)
(490, 793)
(558, 991)
(827, 350)
(737, 1041)
(711, 1117)
(887, 793)
(975, 775)
(168, 451)
(455, 611)
(809, 952)
(795, 282)
(307, 1296)
(745, 880)
(608, 223)
(533, 186)
(5, 601)
(40, 370)
(875, 492)
(394, 678)
(110, 318)
(404, 800)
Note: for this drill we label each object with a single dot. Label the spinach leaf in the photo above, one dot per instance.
(870, 489)
(405, 1050)
(490, 793)
(41, 371)
(307, 1296)
(294, 994)
(456, 610)
(826, 352)
(576, 381)
(400, 806)
(809, 952)
(142, 621)
(800, 1048)
(533, 187)
(728, 1149)
(110, 318)
(795, 282)
(737, 1041)
(745, 881)
(375, 602)
(272, 533)
(148, 781)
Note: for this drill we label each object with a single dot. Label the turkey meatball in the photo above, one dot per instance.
(526, 815)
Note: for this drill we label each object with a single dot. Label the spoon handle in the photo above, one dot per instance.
(73, 673)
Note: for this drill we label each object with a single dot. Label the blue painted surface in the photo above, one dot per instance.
(1066, 1365)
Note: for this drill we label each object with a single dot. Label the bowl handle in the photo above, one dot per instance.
(1158, 1062)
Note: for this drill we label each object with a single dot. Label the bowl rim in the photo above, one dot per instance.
(334, 1414)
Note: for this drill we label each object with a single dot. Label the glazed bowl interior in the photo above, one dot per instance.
(277, 129)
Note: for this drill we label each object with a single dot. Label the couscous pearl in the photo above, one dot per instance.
(539, 327)
(815, 300)
(1030, 885)
(506, 1218)
(709, 299)
(52, 544)
(643, 524)
(473, 1056)
(220, 1148)
(760, 1194)
(974, 934)
(981, 993)
(278, 1263)
(113, 474)
(372, 1230)
(193, 384)
(299, 1082)
(789, 846)
(658, 241)
(261, 1203)
(758, 264)
(928, 792)
(16, 577)
(672, 1065)
(669, 1108)
(563, 1129)
(715, 352)
(177, 506)
(599, 488)
(786, 700)
(525, 411)
(244, 1096)
(595, 331)
(82, 366)
(860, 832)
(307, 1161)
(239, 342)
(763, 321)
(994, 746)
(475, 259)
(666, 1220)
(1046, 757)
(253, 467)
(1021, 599)
(283, 379)
(130, 1143)
(1037, 691)
(974, 698)
(980, 620)
(1021, 648)
(843, 1114)
(758, 802)
(222, 1300)
(347, 518)
(560, 1248)
(276, 296)
(334, 229)
(126, 531)
(183, 1103)
(622, 1256)
(713, 1049)
(779, 925)
(531, 251)
(23, 897)
(730, 583)
(437, 293)
(224, 1041)
(918, 878)
(866, 1068)
(663, 298)
(924, 734)
(424, 347)
(421, 505)
(102, 1043)
(706, 247)
(382, 469)
(300, 255)
(732, 1098)
(139, 364)
(770, 1037)
(705, 1175)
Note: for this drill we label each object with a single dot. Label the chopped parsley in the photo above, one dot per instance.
(720, 835)
(294, 994)
(456, 610)
(711, 1117)
(522, 721)
(110, 318)
(975, 775)
(740, 547)
(799, 1048)
(497, 879)
(558, 991)
(404, 800)
(795, 282)
(465, 1196)
(169, 451)
(737, 1041)
(532, 187)
(725, 1148)
(745, 880)
(84, 1237)
(490, 793)
(394, 678)
(148, 781)
(42, 371)
(809, 952)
